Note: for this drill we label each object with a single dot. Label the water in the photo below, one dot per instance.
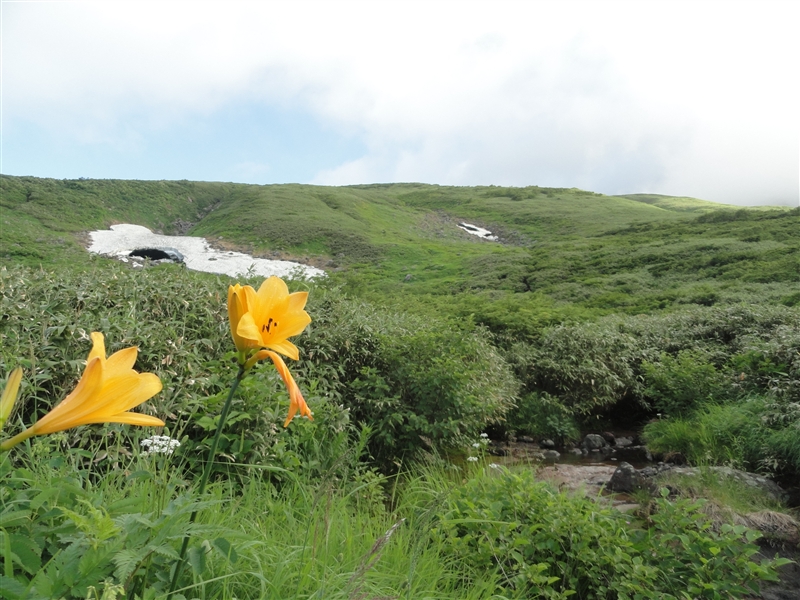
(521, 452)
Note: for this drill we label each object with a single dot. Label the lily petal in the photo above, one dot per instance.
(106, 391)
(122, 361)
(248, 331)
(286, 348)
(131, 418)
(296, 400)
(9, 396)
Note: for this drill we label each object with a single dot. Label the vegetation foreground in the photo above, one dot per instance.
(373, 498)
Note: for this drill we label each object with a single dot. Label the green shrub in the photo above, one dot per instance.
(676, 385)
(543, 544)
(542, 416)
(361, 366)
(416, 382)
(591, 367)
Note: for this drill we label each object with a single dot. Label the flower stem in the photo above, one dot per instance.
(206, 474)
(20, 437)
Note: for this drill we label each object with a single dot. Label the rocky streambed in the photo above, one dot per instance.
(611, 469)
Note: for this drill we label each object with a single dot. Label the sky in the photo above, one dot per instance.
(698, 99)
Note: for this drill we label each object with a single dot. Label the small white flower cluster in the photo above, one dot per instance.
(479, 445)
(159, 444)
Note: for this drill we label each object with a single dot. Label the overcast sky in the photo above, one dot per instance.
(693, 99)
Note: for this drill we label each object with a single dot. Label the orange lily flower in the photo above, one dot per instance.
(266, 318)
(107, 390)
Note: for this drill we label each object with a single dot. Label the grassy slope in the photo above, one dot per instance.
(566, 253)
(676, 203)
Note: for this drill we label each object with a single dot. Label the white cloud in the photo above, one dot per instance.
(686, 98)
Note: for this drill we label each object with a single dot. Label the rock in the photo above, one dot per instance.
(623, 442)
(755, 481)
(609, 437)
(547, 443)
(551, 454)
(576, 451)
(526, 438)
(593, 442)
(625, 479)
(760, 482)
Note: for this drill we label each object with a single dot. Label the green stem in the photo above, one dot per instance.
(20, 437)
(206, 473)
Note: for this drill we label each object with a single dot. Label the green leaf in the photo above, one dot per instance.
(27, 553)
(126, 562)
(14, 517)
(226, 549)
(197, 559)
(12, 589)
(43, 497)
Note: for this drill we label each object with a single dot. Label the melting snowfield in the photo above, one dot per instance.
(121, 240)
(478, 231)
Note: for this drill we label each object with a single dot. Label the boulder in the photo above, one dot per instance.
(625, 479)
(593, 442)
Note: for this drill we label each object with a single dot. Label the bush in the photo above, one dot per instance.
(677, 385)
(591, 367)
(544, 544)
(542, 416)
(414, 382)
(401, 376)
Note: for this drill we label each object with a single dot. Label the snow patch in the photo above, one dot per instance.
(121, 240)
(479, 231)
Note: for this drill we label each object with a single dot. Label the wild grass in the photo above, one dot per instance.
(307, 538)
(757, 434)
(333, 537)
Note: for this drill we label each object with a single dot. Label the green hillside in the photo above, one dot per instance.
(353, 223)
(428, 347)
(562, 253)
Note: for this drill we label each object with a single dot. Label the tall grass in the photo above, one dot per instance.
(757, 434)
(306, 538)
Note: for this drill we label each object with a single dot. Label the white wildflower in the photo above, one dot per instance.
(476, 445)
(472, 459)
(159, 444)
(484, 435)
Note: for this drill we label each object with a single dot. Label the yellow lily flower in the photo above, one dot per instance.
(9, 396)
(266, 318)
(107, 390)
